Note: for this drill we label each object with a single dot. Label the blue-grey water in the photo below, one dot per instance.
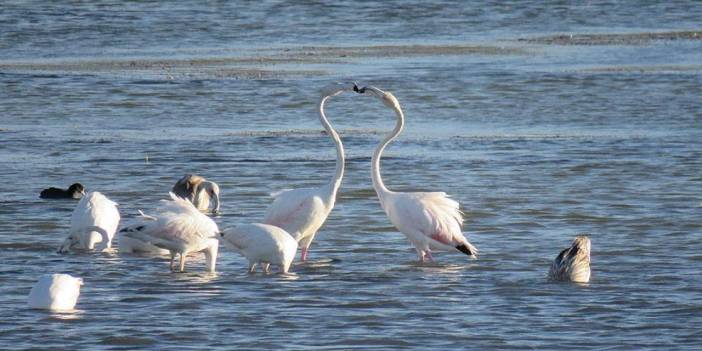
(544, 120)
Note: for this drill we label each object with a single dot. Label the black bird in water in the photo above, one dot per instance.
(75, 191)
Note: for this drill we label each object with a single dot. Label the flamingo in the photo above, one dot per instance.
(573, 263)
(430, 220)
(56, 292)
(132, 245)
(301, 212)
(261, 243)
(199, 191)
(75, 191)
(179, 228)
(94, 220)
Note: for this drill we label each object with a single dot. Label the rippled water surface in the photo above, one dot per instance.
(543, 121)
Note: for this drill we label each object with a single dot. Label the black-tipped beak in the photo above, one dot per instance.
(356, 89)
(221, 234)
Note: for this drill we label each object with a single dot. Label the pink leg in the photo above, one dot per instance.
(303, 256)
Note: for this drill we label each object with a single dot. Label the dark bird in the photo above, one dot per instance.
(75, 191)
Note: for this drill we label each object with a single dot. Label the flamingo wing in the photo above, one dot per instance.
(177, 221)
(431, 214)
(299, 212)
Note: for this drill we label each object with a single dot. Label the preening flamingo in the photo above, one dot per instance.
(199, 191)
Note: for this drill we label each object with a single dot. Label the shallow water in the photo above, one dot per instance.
(539, 135)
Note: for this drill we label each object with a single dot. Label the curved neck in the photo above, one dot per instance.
(340, 157)
(375, 161)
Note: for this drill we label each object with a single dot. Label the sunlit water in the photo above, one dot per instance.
(539, 139)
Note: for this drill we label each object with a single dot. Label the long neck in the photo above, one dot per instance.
(340, 157)
(375, 162)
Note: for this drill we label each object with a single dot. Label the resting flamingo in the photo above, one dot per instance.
(430, 220)
(301, 212)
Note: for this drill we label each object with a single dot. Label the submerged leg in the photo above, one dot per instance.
(420, 256)
(252, 268)
(266, 267)
(429, 256)
(172, 260)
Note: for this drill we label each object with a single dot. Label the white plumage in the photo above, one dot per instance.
(56, 292)
(573, 263)
(134, 245)
(430, 220)
(180, 228)
(261, 243)
(301, 212)
(94, 220)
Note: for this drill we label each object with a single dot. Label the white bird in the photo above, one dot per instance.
(573, 263)
(261, 243)
(199, 191)
(56, 292)
(94, 220)
(180, 228)
(133, 245)
(430, 220)
(301, 212)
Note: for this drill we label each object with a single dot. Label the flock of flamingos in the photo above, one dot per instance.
(429, 220)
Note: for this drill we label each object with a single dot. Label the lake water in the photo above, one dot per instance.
(543, 121)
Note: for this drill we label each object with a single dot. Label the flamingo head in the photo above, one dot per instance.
(386, 97)
(338, 88)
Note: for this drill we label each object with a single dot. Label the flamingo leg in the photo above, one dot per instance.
(182, 262)
(420, 256)
(172, 259)
(252, 268)
(429, 256)
(266, 267)
(303, 256)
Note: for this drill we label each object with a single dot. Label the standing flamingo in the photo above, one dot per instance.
(430, 220)
(261, 243)
(301, 212)
(180, 228)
